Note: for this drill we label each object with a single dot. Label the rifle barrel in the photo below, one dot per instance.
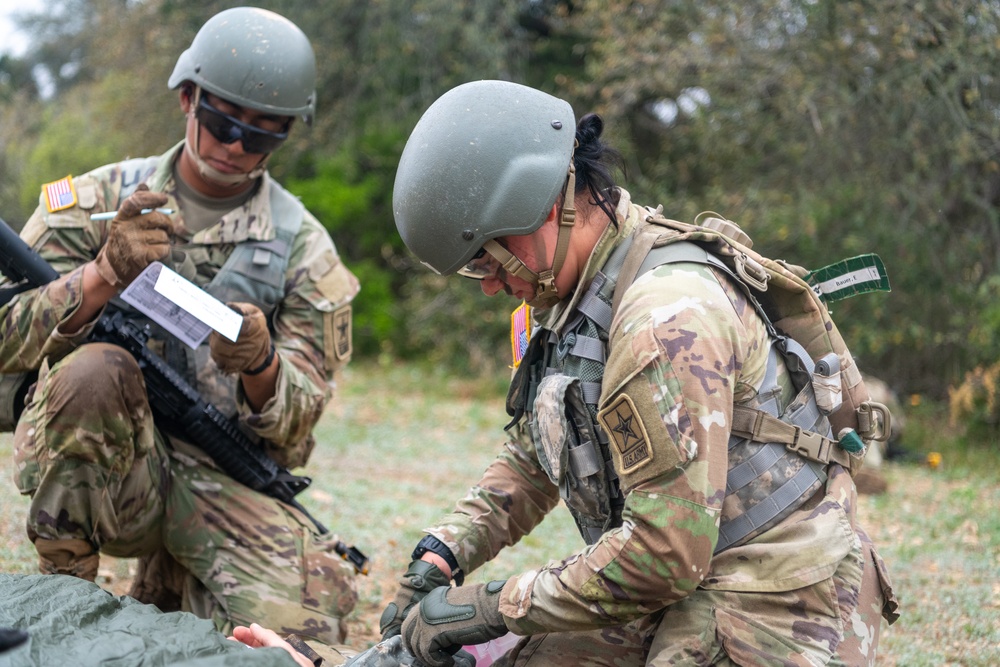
(19, 262)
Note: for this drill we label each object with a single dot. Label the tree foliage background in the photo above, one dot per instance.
(826, 128)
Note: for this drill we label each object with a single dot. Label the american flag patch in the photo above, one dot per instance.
(520, 332)
(60, 194)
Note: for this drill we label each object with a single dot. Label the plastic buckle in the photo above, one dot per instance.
(811, 445)
(751, 271)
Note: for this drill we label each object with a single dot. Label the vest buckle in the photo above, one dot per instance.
(811, 445)
(751, 271)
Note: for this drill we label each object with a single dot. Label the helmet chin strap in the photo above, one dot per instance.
(544, 283)
(209, 172)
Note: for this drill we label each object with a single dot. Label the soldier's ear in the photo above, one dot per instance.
(186, 96)
(553, 213)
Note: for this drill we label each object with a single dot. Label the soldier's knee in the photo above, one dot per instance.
(94, 363)
(95, 374)
(88, 405)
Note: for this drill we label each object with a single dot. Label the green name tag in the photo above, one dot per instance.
(856, 275)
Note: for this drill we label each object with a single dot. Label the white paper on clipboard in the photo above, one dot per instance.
(180, 306)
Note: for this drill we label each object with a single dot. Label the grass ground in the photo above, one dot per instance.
(401, 443)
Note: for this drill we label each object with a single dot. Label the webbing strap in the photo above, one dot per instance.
(591, 392)
(760, 514)
(769, 393)
(586, 347)
(597, 310)
(578, 345)
(691, 252)
(755, 466)
(567, 218)
(641, 243)
(679, 252)
(585, 461)
(589, 347)
(758, 426)
(794, 347)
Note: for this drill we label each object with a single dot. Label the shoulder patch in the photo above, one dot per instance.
(520, 332)
(624, 426)
(59, 195)
(337, 284)
(342, 332)
(642, 448)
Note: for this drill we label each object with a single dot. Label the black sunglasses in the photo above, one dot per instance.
(227, 129)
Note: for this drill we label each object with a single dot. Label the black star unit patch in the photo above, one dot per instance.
(342, 332)
(624, 426)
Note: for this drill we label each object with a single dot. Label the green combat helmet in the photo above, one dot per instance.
(253, 58)
(487, 159)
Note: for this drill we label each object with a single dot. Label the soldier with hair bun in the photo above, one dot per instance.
(628, 404)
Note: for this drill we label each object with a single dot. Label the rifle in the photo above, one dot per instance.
(25, 270)
(21, 265)
(177, 407)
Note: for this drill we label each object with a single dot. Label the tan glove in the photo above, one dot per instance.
(136, 239)
(252, 346)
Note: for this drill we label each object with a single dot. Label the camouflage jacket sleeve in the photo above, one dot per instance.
(29, 323)
(683, 345)
(511, 498)
(312, 339)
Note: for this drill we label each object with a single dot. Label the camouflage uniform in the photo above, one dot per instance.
(98, 470)
(684, 347)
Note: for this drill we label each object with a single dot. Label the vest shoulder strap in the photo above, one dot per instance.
(789, 303)
(256, 269)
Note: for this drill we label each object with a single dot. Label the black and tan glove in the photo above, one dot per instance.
(391, 653)
(135, 239)
(420, 579)
(449, 618)
(252, 351)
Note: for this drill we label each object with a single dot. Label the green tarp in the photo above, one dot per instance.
(74, 622)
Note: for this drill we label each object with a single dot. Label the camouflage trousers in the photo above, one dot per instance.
(834, 622)
(98, 470)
